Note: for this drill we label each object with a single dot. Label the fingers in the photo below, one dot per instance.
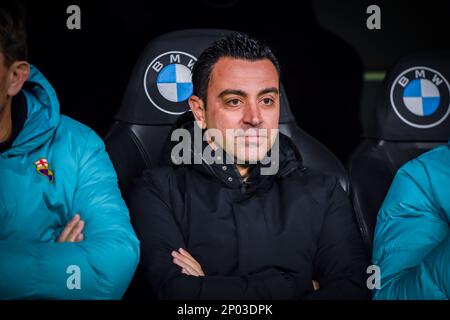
(72, 223)
(79, 238)
(187, 255)
(76, 231)
(188, 264)
(73, 230)
(184, 264)
(316, 285)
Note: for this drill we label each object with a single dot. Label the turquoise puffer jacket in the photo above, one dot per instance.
(412, 236)
(55, 169)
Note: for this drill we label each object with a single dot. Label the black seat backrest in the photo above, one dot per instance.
(157, 95)
(410, 118)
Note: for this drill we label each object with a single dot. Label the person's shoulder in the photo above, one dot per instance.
(69, 128)
(158, 175)
(78, 140)
(161, 181)
(436, 158)
(160, 178)
(438, 155)
(315, 182)
(315, 177)
(69, 125)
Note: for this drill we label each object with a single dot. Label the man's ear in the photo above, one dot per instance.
(198, 109)
(18, 74)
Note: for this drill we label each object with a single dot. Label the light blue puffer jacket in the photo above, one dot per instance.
(34, 210)
(412, 236)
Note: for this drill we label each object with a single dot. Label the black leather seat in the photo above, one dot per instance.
(410, 118)
(151, 107)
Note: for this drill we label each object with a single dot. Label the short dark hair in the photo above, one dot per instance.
(13, 36)
(236, 45)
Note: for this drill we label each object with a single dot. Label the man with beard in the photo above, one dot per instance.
(221, 229)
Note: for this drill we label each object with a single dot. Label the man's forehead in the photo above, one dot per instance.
(238, 74)
(227, 66)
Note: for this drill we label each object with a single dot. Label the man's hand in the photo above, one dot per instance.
(316, 285)
(73, 232)
(189, 266)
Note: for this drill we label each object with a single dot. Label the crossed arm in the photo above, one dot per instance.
(190, 267)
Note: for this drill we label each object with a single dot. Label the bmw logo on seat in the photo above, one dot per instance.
(168, 81)
(420, 96)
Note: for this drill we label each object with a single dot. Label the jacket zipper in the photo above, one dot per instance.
(244, 185)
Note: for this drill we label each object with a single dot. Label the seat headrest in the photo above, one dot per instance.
(415, 102)
(160, 84)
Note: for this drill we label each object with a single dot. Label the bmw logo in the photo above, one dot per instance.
(168, 81)
(420, 96)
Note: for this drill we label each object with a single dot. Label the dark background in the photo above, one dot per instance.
(324, 48)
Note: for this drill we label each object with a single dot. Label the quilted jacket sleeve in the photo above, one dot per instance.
(412, 242)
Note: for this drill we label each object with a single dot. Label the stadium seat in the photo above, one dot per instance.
(410, 117)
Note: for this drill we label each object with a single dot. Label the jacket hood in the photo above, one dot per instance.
(42, 114)
(289, 159)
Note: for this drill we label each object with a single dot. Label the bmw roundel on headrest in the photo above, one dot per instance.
(420, 97)
(416, 105)
(168, 81)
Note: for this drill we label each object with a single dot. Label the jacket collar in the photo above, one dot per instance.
(42, 117)
(228, 174)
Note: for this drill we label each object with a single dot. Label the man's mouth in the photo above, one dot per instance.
(253, 133)
(251, 139)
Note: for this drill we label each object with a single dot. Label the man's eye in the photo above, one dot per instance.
(267, 101)
(234, 102)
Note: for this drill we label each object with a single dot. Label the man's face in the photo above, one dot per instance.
(244, 96)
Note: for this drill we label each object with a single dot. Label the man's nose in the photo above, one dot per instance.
(252, 115)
